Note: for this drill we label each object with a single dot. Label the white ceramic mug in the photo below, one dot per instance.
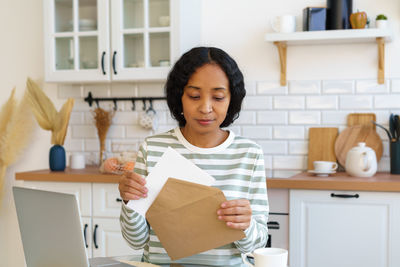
(267, 257)
(284, 23)
(77, 161)
(325, 166)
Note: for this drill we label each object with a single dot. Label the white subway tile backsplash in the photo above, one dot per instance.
(84, 131)
(76, 118)
(271, 88)
(387, 101)
(355, 102)
(98, 90)
(256, 102)
(304, 117)
(125, 118)
(284, 174)
(371, 87)
(273, 147)
(289, 162)
(276, 117)
(151, 89)
(272, 117)
(246, 117)
(289, 102)
(251, 87)
(334, 117)
(256, 132)
(395, 86)
(136, 131)
(124, 90)
(298, 147)
(69, 91)
(321, 102)
(304, 87)
(288, 132)
(337, 87)
(384, 164)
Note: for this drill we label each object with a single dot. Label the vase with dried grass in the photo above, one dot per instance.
(50, 119)
(102, 120)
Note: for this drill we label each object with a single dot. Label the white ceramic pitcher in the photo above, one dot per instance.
(361, 161)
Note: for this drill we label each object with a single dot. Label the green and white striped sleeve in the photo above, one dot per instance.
(257, 233)
(134, 227)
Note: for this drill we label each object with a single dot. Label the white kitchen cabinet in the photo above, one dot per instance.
(117, 40)
(100, 207)
(343, 228)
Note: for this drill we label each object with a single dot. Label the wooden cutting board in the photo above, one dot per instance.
(351, 136)
(321, 145)
(361, 119)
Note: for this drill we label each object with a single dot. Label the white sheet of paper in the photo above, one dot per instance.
(171, 164)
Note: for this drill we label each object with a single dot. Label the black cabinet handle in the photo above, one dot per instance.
(118, 199)
(345, 195)
(94, 236)
(273, 225)
(102, 62)
(84, 234)
(113, 62)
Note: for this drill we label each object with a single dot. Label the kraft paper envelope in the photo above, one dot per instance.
(171, 164)
(184, 217)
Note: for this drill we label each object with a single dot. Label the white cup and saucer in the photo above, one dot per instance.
(324, 168)
(267, 257)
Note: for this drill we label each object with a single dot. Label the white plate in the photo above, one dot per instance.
(321, 173)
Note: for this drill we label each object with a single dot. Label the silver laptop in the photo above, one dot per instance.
(51, 233)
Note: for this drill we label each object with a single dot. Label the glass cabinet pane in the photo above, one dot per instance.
(159, 49)
(133, 14)
(64, 53)
(63, 15)
(159, 13)
(87, 15)
(133, 51)
(88, 52)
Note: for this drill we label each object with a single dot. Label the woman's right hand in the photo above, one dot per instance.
(132, 187)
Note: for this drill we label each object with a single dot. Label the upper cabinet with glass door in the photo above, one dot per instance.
(146, 37)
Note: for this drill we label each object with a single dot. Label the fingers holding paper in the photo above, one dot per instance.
(236, 213)
(132, 186)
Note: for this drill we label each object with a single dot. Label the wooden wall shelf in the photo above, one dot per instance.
(282, 40)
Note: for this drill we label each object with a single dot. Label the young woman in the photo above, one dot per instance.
(204, 92)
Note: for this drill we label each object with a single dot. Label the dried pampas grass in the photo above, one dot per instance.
(47, 115)
(102, 120)
(16, 125)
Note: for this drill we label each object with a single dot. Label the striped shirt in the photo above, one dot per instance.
(238, 168)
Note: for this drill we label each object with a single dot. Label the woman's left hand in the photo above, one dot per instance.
(236, 213)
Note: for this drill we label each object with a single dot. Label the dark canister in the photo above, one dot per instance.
(395, 157)
(338, 14)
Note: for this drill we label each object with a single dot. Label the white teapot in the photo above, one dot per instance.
(361, 161)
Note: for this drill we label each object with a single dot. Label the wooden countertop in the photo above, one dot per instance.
(90, 174)
(381, 182)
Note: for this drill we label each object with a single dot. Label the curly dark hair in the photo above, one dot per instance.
(183, 69)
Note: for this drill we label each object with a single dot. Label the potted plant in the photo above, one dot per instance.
(381, 21)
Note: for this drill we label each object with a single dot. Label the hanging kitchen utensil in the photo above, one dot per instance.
(321, 145)
(386, 130)
(361, 119)
(391, 126)
(396, 127)
(353, 135)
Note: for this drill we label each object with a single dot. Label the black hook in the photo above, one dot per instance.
(133, 105)
(151, 105)
(97, 102)
(144, 104)
(115, 104)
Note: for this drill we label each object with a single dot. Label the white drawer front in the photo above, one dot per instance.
(105, 203)
(82, 191)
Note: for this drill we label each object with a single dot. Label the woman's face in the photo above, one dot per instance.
(206, 99)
